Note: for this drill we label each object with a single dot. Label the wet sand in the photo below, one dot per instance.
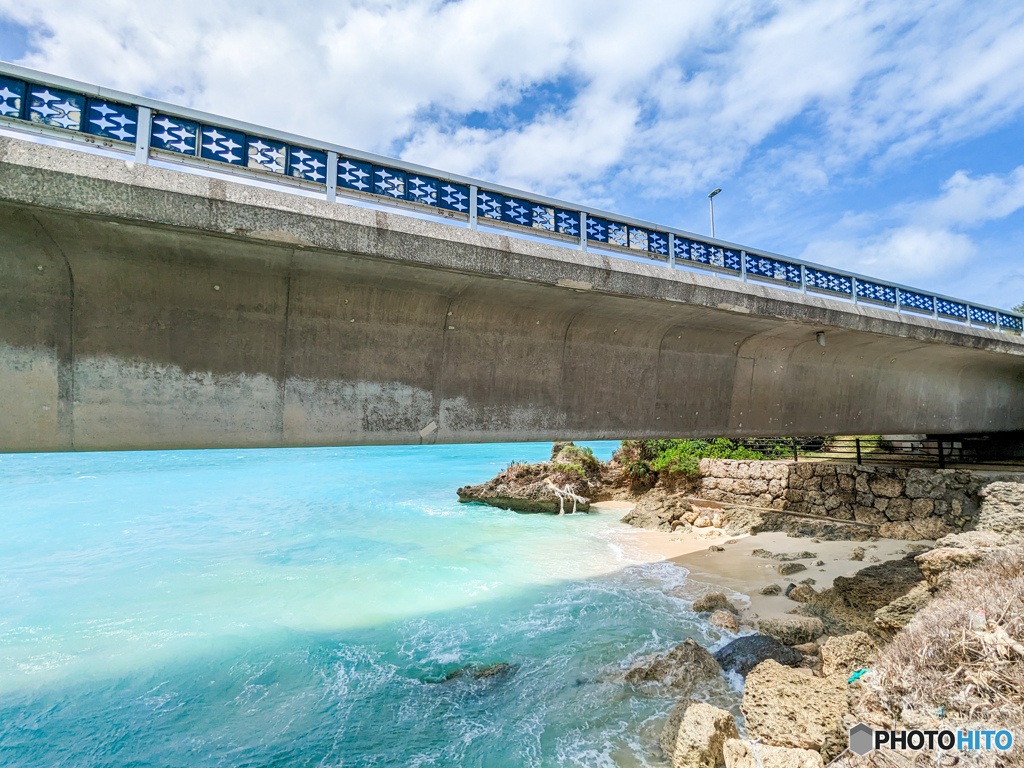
(736, 569)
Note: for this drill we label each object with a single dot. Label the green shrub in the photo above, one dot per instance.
(581, 455)
(569, 472)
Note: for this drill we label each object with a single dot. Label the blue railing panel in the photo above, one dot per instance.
(70, 110)
(543, 217)
(12, 97)
(221, 144)
(388, 182)
(983, 316)
(52, 106)
(567, 223)
(657, 243)
(638, 239)
(112, 121)
(355, 174)
(422, 189)
(1011, 322)
(710, 255)
(883, 294)
(308, 164)
(918, 301)
(454, 197)
(517, 211)
(821, 280)
(773, 269)
(174, 134)
(597, 229)
(948, 308)
(267, 155)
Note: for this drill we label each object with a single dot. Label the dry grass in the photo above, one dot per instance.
(960, 662)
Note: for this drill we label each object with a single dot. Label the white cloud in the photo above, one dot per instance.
(663, 97)
(925, 239)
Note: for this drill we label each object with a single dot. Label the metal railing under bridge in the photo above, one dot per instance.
(68, 110)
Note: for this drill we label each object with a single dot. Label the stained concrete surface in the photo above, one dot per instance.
(142, 307)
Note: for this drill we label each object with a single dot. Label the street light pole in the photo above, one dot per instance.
(711, 199)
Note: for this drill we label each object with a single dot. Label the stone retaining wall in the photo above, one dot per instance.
(906, 503)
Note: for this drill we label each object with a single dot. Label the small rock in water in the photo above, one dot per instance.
(819, 562)
(714, 548)
(745, 653)
(493, 670)
(724, 620)
(857, 554)
(771, 589)
(788, 568)
(714, 601)
(809, 581)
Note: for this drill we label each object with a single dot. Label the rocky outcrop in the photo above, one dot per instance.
(845, 654)
(937, 564)
(896, 615)
(677, 672)
(792, 630)
(877, 585)
(785, 707)
(740, 753)
(525, 488)
(713, 601)
(745, 653)
(1002, 510)
(697, 738)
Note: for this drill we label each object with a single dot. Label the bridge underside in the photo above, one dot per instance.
(145, 308)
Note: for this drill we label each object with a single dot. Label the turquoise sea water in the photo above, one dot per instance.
(304, 607)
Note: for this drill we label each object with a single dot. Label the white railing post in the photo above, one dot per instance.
(671, 251)
(472, 207)
(803, 279)
(743, 266)
(145, 127)
(332, 176)
(583, 231)
(853, 289)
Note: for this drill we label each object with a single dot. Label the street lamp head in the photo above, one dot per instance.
(715, 192)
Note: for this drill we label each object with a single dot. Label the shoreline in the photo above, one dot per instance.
(737, 569)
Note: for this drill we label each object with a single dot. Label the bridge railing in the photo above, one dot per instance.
(148, 129)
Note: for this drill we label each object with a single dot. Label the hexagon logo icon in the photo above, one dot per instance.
(862, 739)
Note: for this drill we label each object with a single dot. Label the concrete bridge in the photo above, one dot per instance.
(142, 307)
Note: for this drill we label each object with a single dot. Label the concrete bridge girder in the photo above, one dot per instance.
(145, 308)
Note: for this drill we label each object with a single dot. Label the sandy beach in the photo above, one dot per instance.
(736, 568)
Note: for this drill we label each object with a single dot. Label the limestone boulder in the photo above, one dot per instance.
(677, 672)
(784, 707)
(740, 753)
(802, 593)
(787, 569)
(877, 585)
(845, 654)
(896, 615)
(714, 601)
(1002, 510)
(937, 564)
(792, 630)
(724, 620)
(745, 653)
(700, 736)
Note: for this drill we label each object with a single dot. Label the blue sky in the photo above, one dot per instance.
(879, 137)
